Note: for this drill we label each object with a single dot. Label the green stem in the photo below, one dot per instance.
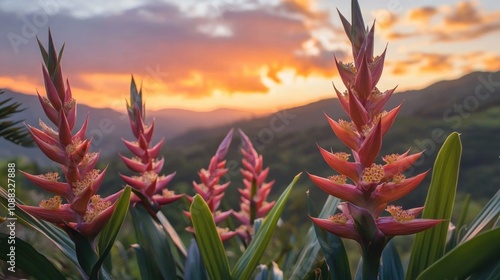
(371, 258)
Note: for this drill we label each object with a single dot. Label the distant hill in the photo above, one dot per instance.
(447, 101)
(437, 100)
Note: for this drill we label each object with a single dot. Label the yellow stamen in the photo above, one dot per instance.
(339, 218)
(98, 205)
(87, 158)
(347, 125)
(166, 193)
(342, 156)
(373, 174)
(69, 105)
(51, 176)
(339, 179)
(398, 178)
(52, 203)
(85, 182)
(399, 214)
(71, 148)
(46, 128)
(391, 158)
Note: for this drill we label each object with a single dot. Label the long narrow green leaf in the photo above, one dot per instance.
(171, 232)
(247, 263)
(53, 233)
(391, 268)
(27, 258)
(194, 265)
(154, 240)
(472, 256)
(333, 248)
(307, 256)
(430, 245)
(490, 212)
(208, 240)
(146, 268)
(87, 257)
(110, 231)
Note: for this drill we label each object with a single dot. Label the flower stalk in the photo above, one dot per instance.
(367, 187)
(210, 189)
(253, 197)
(149, 186)
(75, 206)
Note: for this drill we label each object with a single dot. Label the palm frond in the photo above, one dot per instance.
(9, 129)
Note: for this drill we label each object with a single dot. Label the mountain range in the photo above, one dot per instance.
(448, 101)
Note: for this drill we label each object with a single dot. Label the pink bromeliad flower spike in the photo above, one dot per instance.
(367, 186)
(210, 189)
(253, 196)
(75, 204)
(149, 184)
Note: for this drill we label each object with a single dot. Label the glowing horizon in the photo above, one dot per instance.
(257, 56)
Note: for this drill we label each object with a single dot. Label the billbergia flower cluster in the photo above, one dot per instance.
(75, 204)
(254, 194)
(365, 185)
(149, 184)
(211, 190)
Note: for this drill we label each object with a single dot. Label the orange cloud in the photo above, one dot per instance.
(462, 22)
(463, 15)
(422, 15)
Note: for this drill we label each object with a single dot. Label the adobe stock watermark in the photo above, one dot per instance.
(11, 219)
(32, 23)
(277, 124)
(455, 116)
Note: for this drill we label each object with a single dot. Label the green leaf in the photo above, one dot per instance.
(87, 257)
(429, 246)
(307, 256)
(195, 269)
(271, 272)
(171, 232)
(332, 247)
(28, 259)
(148, 271)
(467, 258)
(154, 240)
(490, 212)
(391, 268)
(247, 263)
(53, 233)
(208, 240)
(110, 231)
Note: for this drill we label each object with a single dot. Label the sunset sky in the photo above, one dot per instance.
(242, 54)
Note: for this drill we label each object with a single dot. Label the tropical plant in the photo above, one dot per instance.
(9, 129)
(84, 226)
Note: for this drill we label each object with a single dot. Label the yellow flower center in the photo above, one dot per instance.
(347, 125)
(46, 128)
(52, 203)
(87, 158)
(97, 206)
(342, 156)
(399, 214)
(87, 180)
(398, 178)
(166, 193)
(391, 158)
(51, 176)
(73, 146)
(373, 174)
(339, 218)
(70, 104)
(339, 179)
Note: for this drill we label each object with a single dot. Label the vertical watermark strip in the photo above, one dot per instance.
(11, 217)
